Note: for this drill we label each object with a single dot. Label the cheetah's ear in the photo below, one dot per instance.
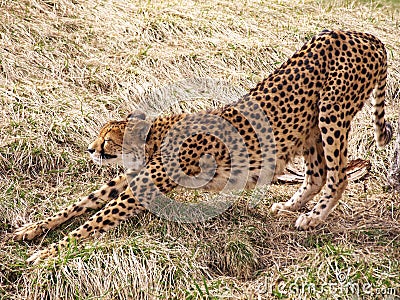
(141, 131)
(138, 130)
(136, 114)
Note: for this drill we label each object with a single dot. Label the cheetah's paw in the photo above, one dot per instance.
(279, 208)
(29, 231)
(307, 221)
(36, 257)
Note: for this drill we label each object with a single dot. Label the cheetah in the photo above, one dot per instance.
(303, 108)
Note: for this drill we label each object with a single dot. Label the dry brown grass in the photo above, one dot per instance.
(68, 66)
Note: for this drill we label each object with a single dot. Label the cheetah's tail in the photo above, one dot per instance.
(383, 129)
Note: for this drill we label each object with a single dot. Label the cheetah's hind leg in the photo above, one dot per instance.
(335, 150)
(314, 180)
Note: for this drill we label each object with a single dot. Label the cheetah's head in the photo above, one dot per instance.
(126, 137)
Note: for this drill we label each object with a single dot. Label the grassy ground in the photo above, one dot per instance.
(68, 66)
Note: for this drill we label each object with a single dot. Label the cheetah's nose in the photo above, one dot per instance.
(91, 151)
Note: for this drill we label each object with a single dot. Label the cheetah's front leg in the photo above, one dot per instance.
(110, 216)
(95, 200)
(143, 189)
